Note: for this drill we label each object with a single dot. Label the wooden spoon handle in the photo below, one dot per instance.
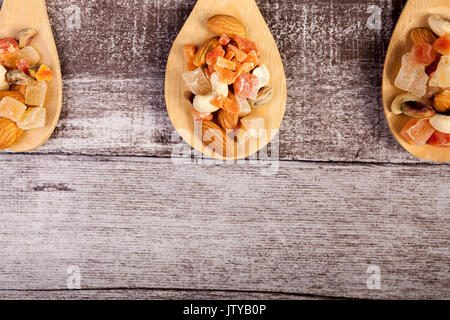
(29, 13)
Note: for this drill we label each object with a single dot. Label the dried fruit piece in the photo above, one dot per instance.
(213, 56)
(441, 101)
(244, 106)
(197, 82)
(35, 93)
(440, 139)
(254, 125)
(224, 40)
(214, 137)
(8, 47)
(423, 53)
(230, 55)
(30, 54)
(442, 45)
(443, 72)
(264, 96)
(246, 86)
(227, 120)
(4, 85)
(33, 118)
(221, 62)
(226, 75)
(44, 73)
(219, 101)
(205, 49)
(252, 57)
(245, 45)
(223, 24)
(417, 110)
(26, 36)
(412, 77)
(13, 94)
(9, 133)
(23, 65)
(190, 51)
(21, 89)
(422, 35)
(240, 55)
(417, 131)
(17, 77)
(230, 105)
(12, 109)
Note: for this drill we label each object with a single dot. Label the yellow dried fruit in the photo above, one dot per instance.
(207, 47)
(14, 94)
(422, 35)
(223, 24)
(9, 133)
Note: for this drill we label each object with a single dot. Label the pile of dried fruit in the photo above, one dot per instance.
(227, 81)
(425, 75)
(23, 87)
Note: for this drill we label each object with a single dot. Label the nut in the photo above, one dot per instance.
(417, 110)
(25, 37)
(227, 120)
(396, 106)
(17, 77)
(442, 101)
(439, 26)
(222, 24)
(9, 133)
(216, 139)
(13, 94)
(441, 123)
(207, 47)
(264, 96)
(422, 35)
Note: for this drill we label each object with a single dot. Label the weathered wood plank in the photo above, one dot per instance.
(147, 294)
(114, 53)
(307, 228)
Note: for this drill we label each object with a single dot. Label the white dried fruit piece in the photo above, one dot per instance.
(439, 25)
(443, 72)
(244, 106)
(33, 118)
(4, 85)
(35, 94)
(254, 125)
(263, 75)
(30, 54)
(197, 82)
(396, 106)
(441, 123)
(412, 77)
(12, 109)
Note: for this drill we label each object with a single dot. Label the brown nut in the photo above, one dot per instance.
(17, 77)
(417, 110)
(214, 137)
(222, 24)
(441, 101)
(9, 133)
(207, 47)
(422, 35)
(227, 120)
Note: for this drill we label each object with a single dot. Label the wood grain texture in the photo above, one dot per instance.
(16, 15)
(308, 229)
(414, 15)
(114, 57)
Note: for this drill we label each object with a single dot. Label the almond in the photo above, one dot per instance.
(215, 138)
(442, 101)
(9, 133)
(207, 47)
(422, 35)
(13, 94)
(227, 120)
(222, 24)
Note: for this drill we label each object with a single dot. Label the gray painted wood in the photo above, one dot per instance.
(309, 228)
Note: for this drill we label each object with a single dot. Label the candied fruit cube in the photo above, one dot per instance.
(197, 82)
(246, 86)
(224, 63)
(213, 56)
(12, 109)
(443, 72)
(30, 54)
(190, 51)
(33, 118)
(240, 55)
(442, 45)
(245, 44)
(225, 75)
(423, 53)
(244, 106)
(254, 125)
(35, 93)
(439, 139)
(224, 40)
(44, 73)
(8, 48)
(412, 77)
(230, 105)
(417, 131)
(23, 65)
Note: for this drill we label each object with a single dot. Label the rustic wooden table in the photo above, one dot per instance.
(104, 208)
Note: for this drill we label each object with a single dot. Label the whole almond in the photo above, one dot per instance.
(441, 101)
(227, 120)
(422, 35)
(207, 47)
(222, 24)
(9, 133)
(13, 94)
(214, 137)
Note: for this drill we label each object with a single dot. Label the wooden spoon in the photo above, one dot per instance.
(415, 14)
(195, 32)
(16, 15)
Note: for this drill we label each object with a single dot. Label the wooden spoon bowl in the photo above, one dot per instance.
(414, 15)
(16, 15)
(195, 32)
